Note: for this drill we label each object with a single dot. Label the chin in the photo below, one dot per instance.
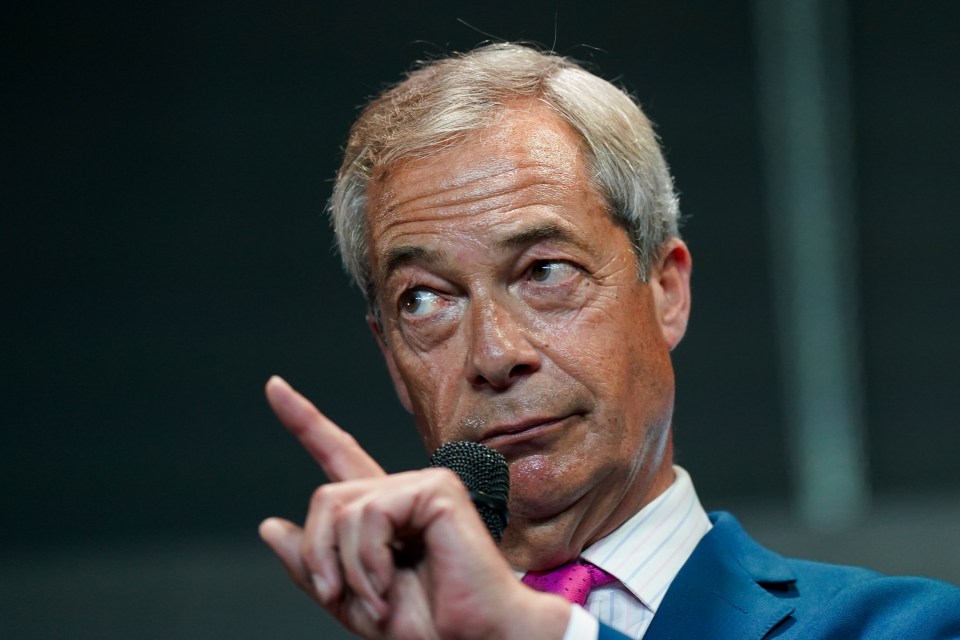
(539, 500)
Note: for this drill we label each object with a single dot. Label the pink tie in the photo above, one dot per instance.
(571, 581)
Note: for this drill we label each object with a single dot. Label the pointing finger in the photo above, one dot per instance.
(335, 450)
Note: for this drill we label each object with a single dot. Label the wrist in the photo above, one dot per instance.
(535, 616)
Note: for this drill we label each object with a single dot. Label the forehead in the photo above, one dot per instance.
(530, 160)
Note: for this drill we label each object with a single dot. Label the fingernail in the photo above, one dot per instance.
(321, 586)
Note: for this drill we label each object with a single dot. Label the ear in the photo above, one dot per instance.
(398, 384)
(670, 283)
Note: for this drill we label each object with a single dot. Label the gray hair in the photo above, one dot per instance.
(442, 101)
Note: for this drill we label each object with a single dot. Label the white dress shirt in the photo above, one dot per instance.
(644, 554)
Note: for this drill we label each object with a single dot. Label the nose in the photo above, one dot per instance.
(500, 351)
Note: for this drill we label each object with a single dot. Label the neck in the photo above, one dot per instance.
(543, 544)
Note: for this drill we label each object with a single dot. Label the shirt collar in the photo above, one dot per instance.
(647, 551)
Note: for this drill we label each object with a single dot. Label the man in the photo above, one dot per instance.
(513, 224)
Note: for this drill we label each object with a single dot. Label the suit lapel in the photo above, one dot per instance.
(720, 591)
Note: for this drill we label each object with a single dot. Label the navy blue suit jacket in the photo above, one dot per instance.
(731, 587)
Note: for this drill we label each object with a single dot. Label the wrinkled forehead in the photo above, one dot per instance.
(528, 144)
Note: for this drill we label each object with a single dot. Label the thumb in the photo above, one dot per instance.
(285, 540)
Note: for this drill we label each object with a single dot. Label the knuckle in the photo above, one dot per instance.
(442, 475)
(351, 514)
(321, 497)
(348, 441)
(447, 481)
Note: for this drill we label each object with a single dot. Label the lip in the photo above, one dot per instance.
(508, 438)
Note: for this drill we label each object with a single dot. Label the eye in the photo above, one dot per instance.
(551, 271)
(419, 302)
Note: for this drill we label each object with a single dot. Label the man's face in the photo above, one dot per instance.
(512, 315)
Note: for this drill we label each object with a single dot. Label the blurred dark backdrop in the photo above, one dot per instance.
(164, 251)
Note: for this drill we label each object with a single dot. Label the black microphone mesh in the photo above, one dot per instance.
(486, 476)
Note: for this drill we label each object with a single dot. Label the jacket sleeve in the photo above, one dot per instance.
(609, 633)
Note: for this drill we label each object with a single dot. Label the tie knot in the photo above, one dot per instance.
(570, 581)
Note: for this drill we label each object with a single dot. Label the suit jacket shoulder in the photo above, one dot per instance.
(731, 587)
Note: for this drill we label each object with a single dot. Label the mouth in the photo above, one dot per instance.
(514, 439)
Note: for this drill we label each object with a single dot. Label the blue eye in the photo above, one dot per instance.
(419, 302)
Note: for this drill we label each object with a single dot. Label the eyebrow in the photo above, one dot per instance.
(539, 233)
(396, 258)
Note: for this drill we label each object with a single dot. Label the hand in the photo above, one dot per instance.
(452, 581)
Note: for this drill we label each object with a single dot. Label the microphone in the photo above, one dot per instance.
(486, 476)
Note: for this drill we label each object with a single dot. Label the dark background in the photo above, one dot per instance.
(164, 250)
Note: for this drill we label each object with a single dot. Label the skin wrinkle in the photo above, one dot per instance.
(480, 291)
(383, 199)
(398, 257)
(539, 163)
(587, 346)
(502, 201)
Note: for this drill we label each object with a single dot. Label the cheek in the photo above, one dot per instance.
(433, 384)
(624, 360)
(543, 485)
(591, 348)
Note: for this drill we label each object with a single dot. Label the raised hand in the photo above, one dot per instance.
(398, 556)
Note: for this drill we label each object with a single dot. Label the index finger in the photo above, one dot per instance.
(335, 450)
